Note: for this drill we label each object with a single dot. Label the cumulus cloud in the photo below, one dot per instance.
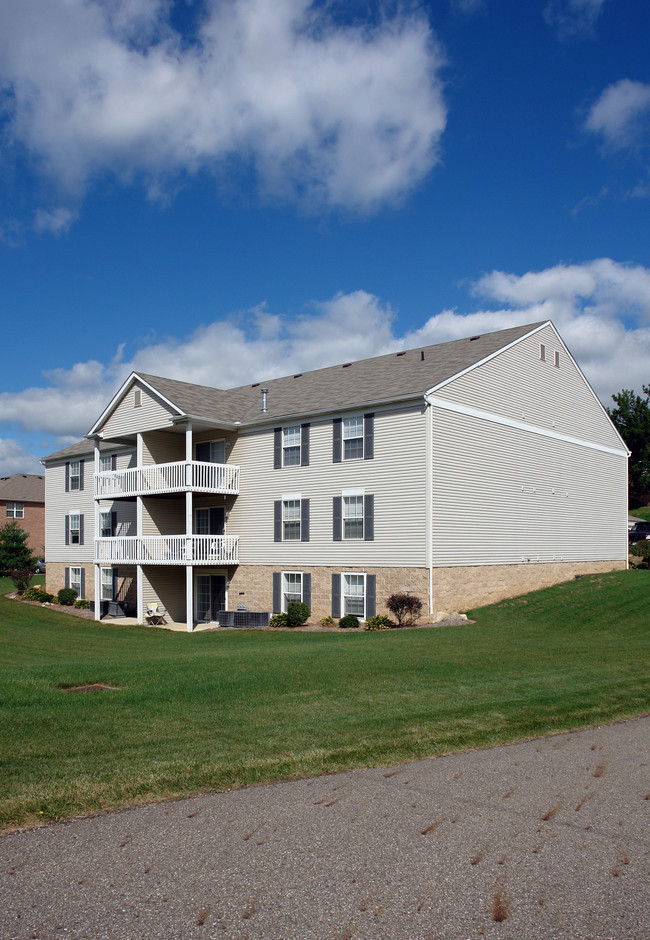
(621, 113)
(573, 19)
(601, 308)
(14, 458)
(57, 220)
(328, 114)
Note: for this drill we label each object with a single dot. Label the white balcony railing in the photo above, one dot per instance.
(168, 550)
(178, 477)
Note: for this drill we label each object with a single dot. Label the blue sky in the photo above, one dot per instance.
(224, 191)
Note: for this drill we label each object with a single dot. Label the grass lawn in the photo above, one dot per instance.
(643, 512)
(213, 710)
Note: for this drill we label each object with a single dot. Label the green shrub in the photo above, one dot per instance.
(21, 578)
(82, 604)
(380, 622)
(642, 550)
(297, 613)
(66, 596)
(327, 621)
(405, 608)
(37, 594)
(349, 622)
(279, 620)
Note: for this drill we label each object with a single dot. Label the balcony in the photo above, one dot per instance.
(168, 550)
(161, 478)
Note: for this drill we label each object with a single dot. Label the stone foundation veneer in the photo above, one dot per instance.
(454, 589)
(55, 580)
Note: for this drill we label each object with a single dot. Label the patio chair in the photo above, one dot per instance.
(156, 614)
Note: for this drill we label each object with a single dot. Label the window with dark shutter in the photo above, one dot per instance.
(368, 436)
(304, 445)
(371, 595)
(369, 518)
(337, 516)
(304, 520)
(336, 595)
(277, 448)
(277, 592)
(277, 520)
(306, 590)
(336, 440)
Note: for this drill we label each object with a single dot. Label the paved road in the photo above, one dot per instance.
(535, 841)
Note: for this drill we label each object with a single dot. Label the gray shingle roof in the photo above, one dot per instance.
(80, 448)
(23, 488)
(401, 375)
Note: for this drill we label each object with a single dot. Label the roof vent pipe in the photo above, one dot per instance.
(265, 406)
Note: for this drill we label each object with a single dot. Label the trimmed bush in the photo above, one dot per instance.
(380, 622)
(66, 597)
(349, 622)
(641, 550)
(297, 613)
(405, 608)
(21, 578)
(82, 604)
(327, 621)
(279, 621)
(37, 594)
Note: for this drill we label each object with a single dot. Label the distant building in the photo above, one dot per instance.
(22, 500)
(464, 473)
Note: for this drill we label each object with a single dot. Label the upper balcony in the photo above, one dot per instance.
(161, 478)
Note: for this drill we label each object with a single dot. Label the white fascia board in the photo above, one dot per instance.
(521, 425)
(119, 396)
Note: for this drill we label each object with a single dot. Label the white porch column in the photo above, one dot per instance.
(138, 526)
(189, 592)
(139, 586)
(96, 534)
(189, 570)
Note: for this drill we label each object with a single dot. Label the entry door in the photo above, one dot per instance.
(210, 596)
(210, 521)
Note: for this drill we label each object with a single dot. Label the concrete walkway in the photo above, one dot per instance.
(536, 841)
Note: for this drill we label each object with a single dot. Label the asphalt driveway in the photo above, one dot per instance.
(547, 839)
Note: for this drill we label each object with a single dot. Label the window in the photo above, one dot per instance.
(76, 581)
(107, 584)
(557, 359)
(291, 446)
(542, 352)
(291, 588)
(354, 595)
(15, 510)
(105, 463)
(75, 529)
(290, 520)
(211, 451)
(353, 517)
(137, 398)
(75, 475)
(106, 524)
(353, 438)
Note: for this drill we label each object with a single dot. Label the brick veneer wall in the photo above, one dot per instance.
(126, 583)
(33, 523)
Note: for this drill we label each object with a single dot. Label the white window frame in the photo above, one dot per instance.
(74, 475)
(105, 463)
(74, 529)
(291, 441)
(289, 521)
(102, 527)
(106, 588)
(354, 517)
(212, 443)
(15, 510)
(294, 594)
(346, 595)
(75, 583)
(350, 435)
(556, 359)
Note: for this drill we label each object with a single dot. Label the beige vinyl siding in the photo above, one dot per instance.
(516, 384)
(395, 477)
(162, 447)
(163, 516)
(127, 420)
(216, 435)
(165, 586)
(504, 496)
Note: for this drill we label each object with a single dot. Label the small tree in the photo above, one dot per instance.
(297, 613)
(405, 608)
(14, 553)
(21, 578)
(641, 550)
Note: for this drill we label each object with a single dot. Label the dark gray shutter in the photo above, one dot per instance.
(304, 520)
(277, 592)
(368, 436)
(67, 478)
(81, 474)
(66, 577)
(336, 595)
(371, 595)
(203, 451)
(113, 461)
(369, 518)
(277, 520)
(67, 530)
(82, 586)
(277, 448)
(113, 523)
(304, 445)
(337, 518)
(81, 529)
(306, 590)
(336, 439)
(114, 584)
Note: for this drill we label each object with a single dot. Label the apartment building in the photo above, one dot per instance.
(463, 472)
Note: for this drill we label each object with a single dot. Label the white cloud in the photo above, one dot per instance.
(329, 115)
(15, 459)
(601, 308)
(57, 220)
(621, 113)
(573, 19)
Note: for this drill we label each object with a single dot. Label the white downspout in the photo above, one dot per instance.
(96, 535)
(189, 569)
(138, 527)
(429, 498)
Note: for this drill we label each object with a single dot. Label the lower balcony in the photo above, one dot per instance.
(168, 550)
